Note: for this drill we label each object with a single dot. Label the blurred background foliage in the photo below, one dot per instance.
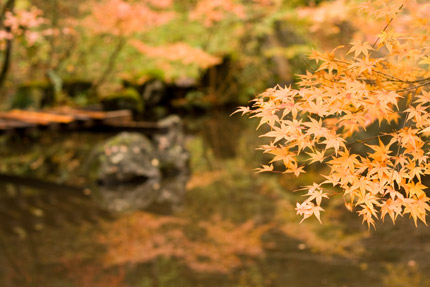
(82, 51)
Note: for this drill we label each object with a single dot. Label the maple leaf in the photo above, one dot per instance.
(335, 142)
(316, 106)
(365, 65)
(346, 160)
(370, 201)
(316, 56)
(283, 154)
(243, 110)
(307, 209)
(278, 133)
(316, 193)
(381, 169)
(359, 47)
(389, 39)
(349, 206)
(298, 170)
(391, 207)
(265, 168)
(315, 128)
(316, 156)
(425, 131)
(367, 214)
(418, 114)
(382, 151)
(416, 210)
(416, 189)
(423, 98)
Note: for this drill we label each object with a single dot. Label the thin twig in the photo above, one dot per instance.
(388, 24)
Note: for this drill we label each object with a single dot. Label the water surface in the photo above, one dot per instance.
(233, 228)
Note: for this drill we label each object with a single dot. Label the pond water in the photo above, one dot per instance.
(233, 227)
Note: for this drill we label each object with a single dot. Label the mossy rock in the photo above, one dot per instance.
(128, 99)
(125, 158)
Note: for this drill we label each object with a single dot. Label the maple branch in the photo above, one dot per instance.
(388, 24)
(413, 87)
(365, 140)
(393, 78)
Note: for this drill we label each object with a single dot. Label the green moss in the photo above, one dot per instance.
(35, 85)
(34, 94)
(124, 99)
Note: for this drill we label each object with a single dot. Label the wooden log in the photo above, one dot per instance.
(69, 118)
(96, 115)
(117, 116)
(39, 118)
(79, 114)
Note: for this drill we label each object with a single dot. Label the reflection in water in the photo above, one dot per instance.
(208, 246)
(163, 196)
(231, 227)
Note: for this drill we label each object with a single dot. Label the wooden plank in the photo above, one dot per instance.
(83, 114)
(38, 118)
(96, 115)
(65, 117)
(123, 115)
(77, 117)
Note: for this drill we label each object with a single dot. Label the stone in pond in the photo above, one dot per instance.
(127, 157)
(163, 196)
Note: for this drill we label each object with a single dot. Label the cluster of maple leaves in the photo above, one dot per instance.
(22, 23)
(335, 118)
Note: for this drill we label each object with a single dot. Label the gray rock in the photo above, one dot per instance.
(128, 157)
(134, 172)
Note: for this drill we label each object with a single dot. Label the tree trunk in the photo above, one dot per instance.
(10, 5)
(110, 66)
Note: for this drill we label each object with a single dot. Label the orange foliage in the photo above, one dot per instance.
(214, 11)
(354, 89)
(124, 18)
(216, 246)
(178, 52)
(24, 23)
(327, 17)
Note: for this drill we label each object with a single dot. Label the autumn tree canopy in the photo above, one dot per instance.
(363, 113)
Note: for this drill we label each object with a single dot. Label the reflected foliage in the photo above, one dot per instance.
(235, 228)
